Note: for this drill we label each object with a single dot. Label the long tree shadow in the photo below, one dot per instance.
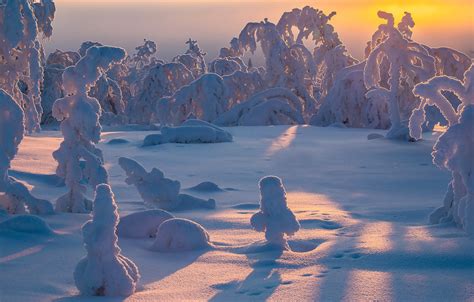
(260, 284)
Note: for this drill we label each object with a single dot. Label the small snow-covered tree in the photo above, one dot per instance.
(22, 22)
(455, 147)
(275, 106)
(156, 189)
(204, 97)
(274, 217)
(409, 62)
(104, 271)
(14, 196)
(109, 95)
(227, 66)
(79, 115)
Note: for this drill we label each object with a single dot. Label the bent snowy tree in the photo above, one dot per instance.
(408, 61)
(454, 148)
(79, 115)
(15, 197)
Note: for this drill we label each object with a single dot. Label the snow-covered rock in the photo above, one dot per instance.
(192, 131)
(142, 224)
(104, 271)
(274, 217)
(180, 235)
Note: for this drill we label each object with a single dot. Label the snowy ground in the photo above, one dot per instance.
(363, 207)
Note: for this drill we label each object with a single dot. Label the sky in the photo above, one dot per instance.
(214, 22)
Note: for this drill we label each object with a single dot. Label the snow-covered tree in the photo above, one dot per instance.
(227, 66)
(286, 66)
(157, 190)
(274, 217)
(14, 196)
(239, 86)
(104, 271)
(22, 23)
(109, 95)
(162, 80)
(204, 97)
(193, 59)
(329, 54)
(275, 106)
(347, 104)
(408, 63)
(79, 115)
(63, 58)
(455, 147)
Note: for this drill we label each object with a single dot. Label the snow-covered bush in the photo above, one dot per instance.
(156, 189)
(180, 235)
(205, 98)
(104, 271)
(22, 23)
(276, 106)
(142, 224)
(454, 148)
(274, 217)
(162, 80)
(407, 63)
(79, 115)
(15, 197)
(192, 131)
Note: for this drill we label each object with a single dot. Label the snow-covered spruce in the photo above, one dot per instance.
(455, 147)
(392, 66)
(104, 271)
(180, 235)
(79, 115)
(22, 23)
(274, 217)
(15, 197)
(275, 106)
(142, 224)
(157, 190)
(192, 131)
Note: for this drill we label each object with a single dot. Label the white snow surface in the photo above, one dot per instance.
(363, 206)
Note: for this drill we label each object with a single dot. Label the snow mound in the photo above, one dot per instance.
(274, 217)
(142, 224)
(117, 141)
(180, 235)
(26, 224)
(206, 186)
(373, 136)
(104, 271)
(192, 131)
